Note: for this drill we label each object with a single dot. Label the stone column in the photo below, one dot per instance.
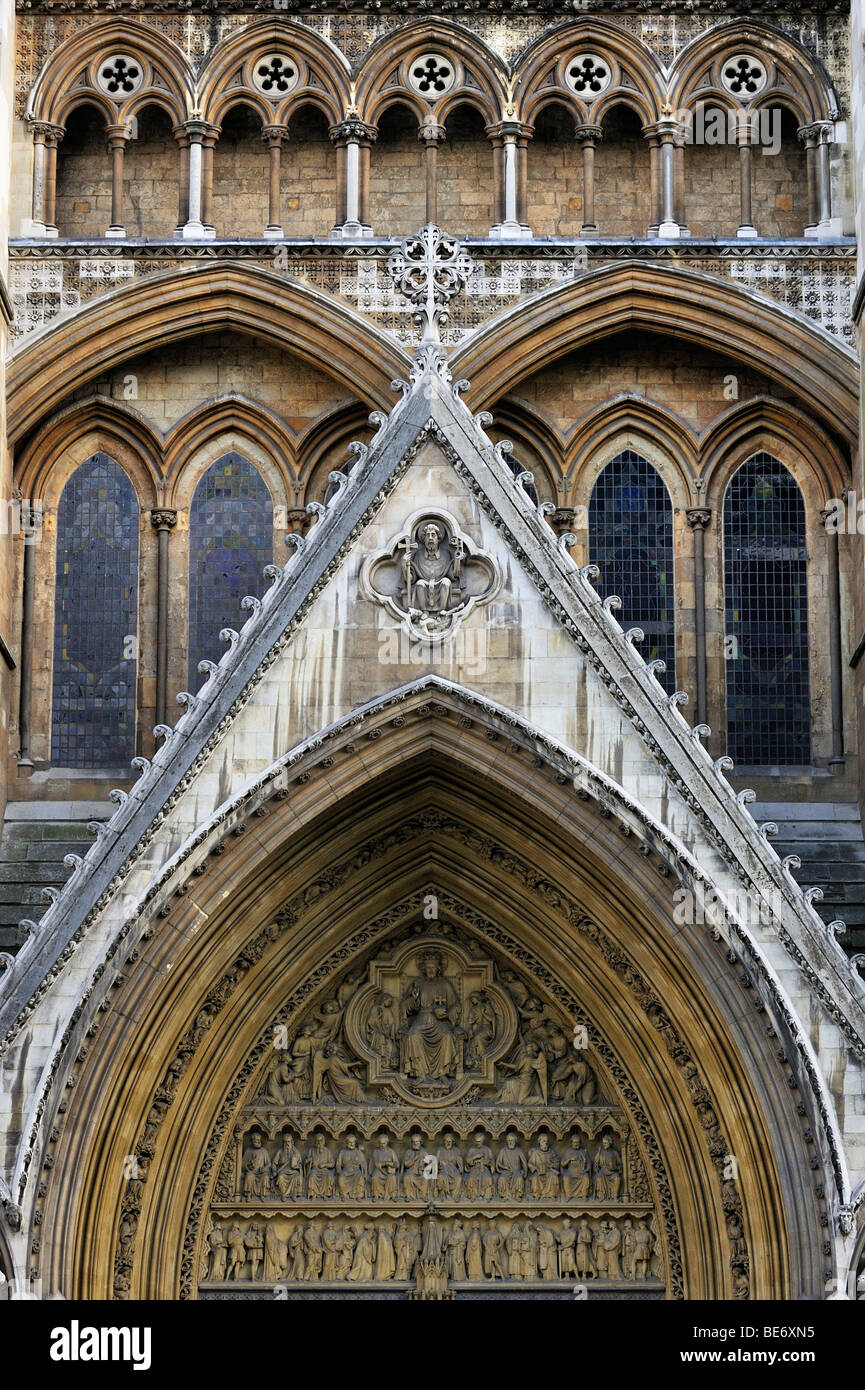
(180, 135)
(194, 228)
(670, 170)
(274, 136)
(25, 690)
(117, 138)
(509, 140)
(46, 137)
(698, 519)
(589, 136)
(746, 226)
(352, 138)
(431, 136)
(817, 138)
(208, 145)
(163, 520)
(654, 143)
(836, 762)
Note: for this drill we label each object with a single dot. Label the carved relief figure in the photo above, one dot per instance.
(643, 1243)
(607, 1171)
(256, 1168)
(385, 1260)
(363, 1265)
(566, 1240)
(529, 1080)
(450, 1169)
(586, 1268)
(479, 1026)
(275, 1255)
(511, 1169)
(297, 1269)
(576, 1169)
(475, 1253)
(543, 1166)
(320, 1169)
(236, 1252)
(431, 570)
(479, 1168)
(381, 1029)
(385, 1167)
(431, 1010)
(607, 1245)
(313, 1251)
(351, 1170)
(288, 1169)
(546, 1253)
(331, 1245)
(406, 1248)
(414, 1184)
(218, 1251)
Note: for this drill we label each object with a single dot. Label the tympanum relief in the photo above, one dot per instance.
(431, 1124)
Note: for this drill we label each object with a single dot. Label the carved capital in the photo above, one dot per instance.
(431, 134)
(562, 520)
(588, 134)
(275, 134)
(698, 518)
(46, 133)
(163, 518)
(816, 133)
(354, 129)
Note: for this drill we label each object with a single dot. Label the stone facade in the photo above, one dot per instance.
(215, 253)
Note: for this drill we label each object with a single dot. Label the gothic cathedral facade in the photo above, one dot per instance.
(432, 611)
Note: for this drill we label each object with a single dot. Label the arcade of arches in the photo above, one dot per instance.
(373, 921)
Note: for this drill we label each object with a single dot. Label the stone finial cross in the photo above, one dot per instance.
(430, 268)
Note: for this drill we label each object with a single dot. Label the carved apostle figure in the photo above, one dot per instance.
(313, 1251)
(236, 1252)
(607, 1248)
(576, 1169)
(543, 1168)
(456, 1252)
(385, 1258)
(493, 1242)
(275, 1255)
(296, 1254)
(546, 1253)
(288, 1168)
(254, 1248)
(406, 1246)
(514, 1247)
(431, 570)
(351, 1170)
(511, 1169)
(479, 1168)
(256, 1168)
(607, 1171)
(217, 1243)
(321, 1168)
(363, 1265)
(414, 1184)
(385, 1166)
(450, 1168)
(586, 1268)
(381, 1031)
(431, 1049)
(566, 1240)
(331, 1245)
(643, 1243)
(475, 1253)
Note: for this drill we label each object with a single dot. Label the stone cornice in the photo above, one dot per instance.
(554, 9)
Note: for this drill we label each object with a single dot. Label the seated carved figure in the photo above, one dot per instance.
(351, 1170)
(479, 1168)
(576, 1169)
(543, 1166)
(288, 1169)
(511, 1169)
(321, 1169)
(256, 1168)
(384, 1170)
(607, 1171)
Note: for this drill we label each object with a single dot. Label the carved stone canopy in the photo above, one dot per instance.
(431, 576)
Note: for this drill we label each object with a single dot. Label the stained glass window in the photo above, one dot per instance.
(230, 542)
(766, 595)
(631, 541)
(95, 619)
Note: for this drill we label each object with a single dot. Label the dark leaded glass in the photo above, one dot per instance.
(631, 540)
(95, 619)
(230, 542)
(766, 591)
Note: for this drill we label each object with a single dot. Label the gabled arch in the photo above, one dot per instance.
(168, 80)
(382, 76)
(631, 421)
(522, 423)
(637, 78)
(323, 77)
(229, 422)
(424, 816)
(794, 76)
(169, 307)
(333, 431)
(748, 426)
(679, 304)
(98, 424)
